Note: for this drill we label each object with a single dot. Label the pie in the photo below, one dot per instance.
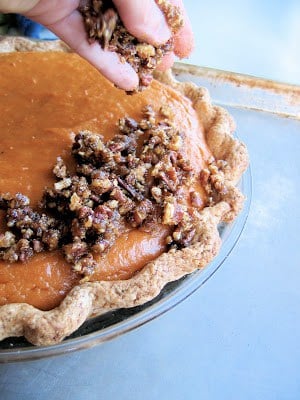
(148, 219)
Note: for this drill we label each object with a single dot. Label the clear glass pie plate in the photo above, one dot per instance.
(110, 325)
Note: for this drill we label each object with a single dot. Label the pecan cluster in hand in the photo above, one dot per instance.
(103, 25)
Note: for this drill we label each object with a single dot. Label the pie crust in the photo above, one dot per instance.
(91, 299)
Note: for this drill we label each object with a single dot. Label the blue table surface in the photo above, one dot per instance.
(238, 336)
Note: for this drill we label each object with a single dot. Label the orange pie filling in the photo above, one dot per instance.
(46, 99)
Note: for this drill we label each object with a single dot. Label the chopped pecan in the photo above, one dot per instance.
(60, 169)
(142, 211)
(75, 251)
(7, 239)
(132, 180)
(196, 199)
(213, 181)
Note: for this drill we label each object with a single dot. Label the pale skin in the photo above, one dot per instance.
(142, 18)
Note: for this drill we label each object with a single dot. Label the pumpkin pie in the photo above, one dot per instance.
(104, 197)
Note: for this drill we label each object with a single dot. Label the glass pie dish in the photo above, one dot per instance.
(115, 323)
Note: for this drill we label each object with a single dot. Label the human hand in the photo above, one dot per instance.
(143, 19)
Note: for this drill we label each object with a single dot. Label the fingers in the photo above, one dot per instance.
(184, 39)
(71, 30)
(144, 20)
(48, 12)
(19, 6)
(167, 62)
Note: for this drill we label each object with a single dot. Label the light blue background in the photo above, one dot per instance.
(255, 37)
(238, 337)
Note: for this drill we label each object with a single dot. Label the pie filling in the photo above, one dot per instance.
(141, 192)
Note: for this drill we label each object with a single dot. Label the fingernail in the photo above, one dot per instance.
(127, 78)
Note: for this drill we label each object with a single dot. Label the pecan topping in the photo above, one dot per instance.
(133, 180)
(213, 181)
(118, 183)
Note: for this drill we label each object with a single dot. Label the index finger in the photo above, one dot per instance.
(71, 30)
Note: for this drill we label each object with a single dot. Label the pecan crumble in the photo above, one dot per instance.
(103, 24)
(132, 181)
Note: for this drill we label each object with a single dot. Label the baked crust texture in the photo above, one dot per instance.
(91, 299)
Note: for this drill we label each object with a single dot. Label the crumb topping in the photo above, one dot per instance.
(133, 180)
(213, 181)
(103, 25)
